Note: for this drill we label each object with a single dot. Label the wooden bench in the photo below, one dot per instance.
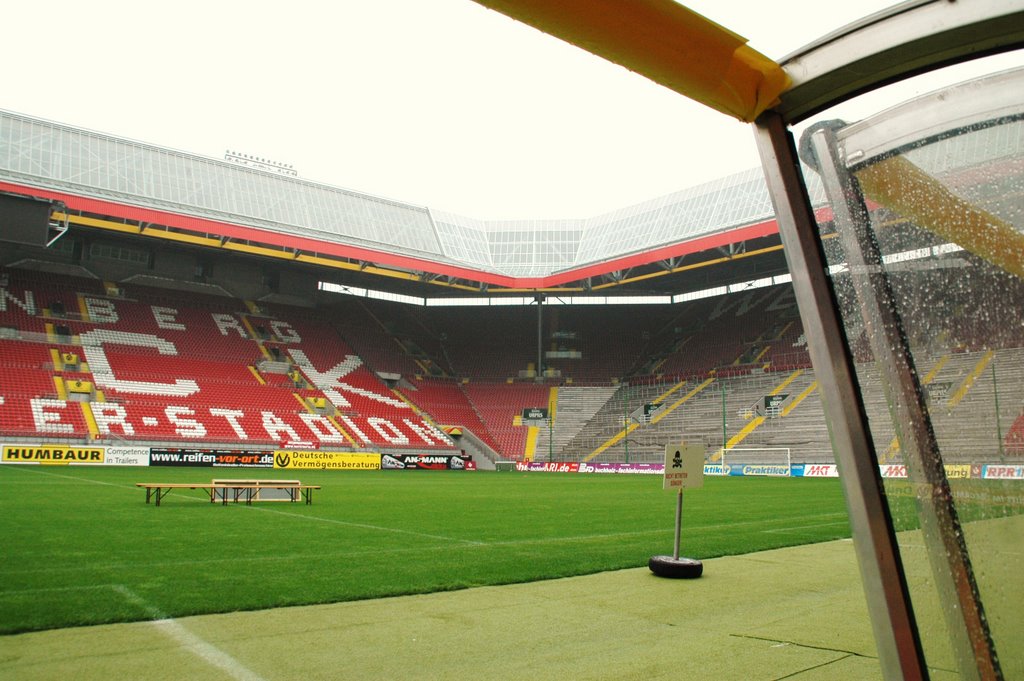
(239, 490)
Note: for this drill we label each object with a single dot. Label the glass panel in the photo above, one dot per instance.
(926, 246)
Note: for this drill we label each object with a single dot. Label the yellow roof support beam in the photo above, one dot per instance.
(665, 42)
(899, 185)
(184, 237)
(258, 250)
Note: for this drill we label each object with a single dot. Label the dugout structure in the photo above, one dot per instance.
(943, 170)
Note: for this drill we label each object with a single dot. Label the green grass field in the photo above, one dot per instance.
(82, 547)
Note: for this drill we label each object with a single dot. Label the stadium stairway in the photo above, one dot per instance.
(758, 419)
(964, 391)
(647, 450)
(575, 407)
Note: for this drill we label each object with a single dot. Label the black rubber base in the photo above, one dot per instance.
(676, 568)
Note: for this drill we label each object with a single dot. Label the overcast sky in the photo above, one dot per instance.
(440, 103)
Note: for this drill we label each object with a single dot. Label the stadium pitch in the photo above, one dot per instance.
(80, 539)
(392, 558)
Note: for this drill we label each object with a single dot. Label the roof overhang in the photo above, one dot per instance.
(205, 232)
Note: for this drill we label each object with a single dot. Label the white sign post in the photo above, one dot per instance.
(684, 469)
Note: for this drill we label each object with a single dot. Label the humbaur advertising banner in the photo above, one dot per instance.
(58, 455)
(326, 461)
(69, 455)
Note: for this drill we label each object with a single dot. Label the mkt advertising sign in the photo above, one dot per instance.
(954, 471)
(820, 470)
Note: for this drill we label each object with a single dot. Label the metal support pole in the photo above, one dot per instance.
(625, 420)
(899, 646)
(999, 424)
(679, 525)
(551, 435)
(725, 439)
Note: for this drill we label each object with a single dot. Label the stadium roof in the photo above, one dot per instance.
(133, 187)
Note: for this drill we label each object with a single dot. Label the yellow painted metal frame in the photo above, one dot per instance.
(665, 42)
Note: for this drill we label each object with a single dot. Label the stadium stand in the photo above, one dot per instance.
(385, 336)
(575, 407)
(259, 374)
(169, 370)
(448, 404)
(499, 404)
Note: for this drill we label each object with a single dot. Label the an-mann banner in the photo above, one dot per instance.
(326, 461)
(213, 458)
(425, 462)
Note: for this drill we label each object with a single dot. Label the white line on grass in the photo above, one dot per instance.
(794, 528)
(367, 526)
(53, 589)
(72, 477)
(194, 644)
